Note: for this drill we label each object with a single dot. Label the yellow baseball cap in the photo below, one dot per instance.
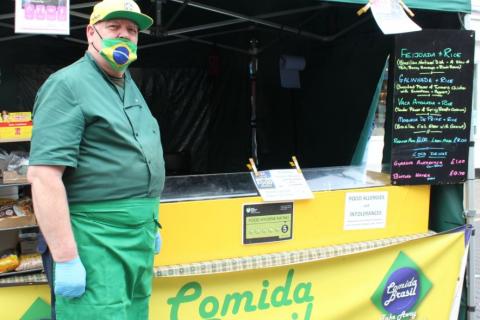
(120, 9)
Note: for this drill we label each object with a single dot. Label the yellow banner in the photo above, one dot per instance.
(412, 280)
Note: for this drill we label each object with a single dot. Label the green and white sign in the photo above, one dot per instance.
(267, 222)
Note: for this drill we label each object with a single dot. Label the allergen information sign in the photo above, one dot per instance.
(365, 210)
(432, 103)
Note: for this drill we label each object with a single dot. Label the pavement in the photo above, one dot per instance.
(477, 250)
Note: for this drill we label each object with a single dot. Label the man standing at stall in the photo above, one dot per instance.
(97, 171)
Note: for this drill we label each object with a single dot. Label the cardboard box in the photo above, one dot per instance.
(17, 222)
(28, 246)
(13, 177)
(15, 126)
(8, 240)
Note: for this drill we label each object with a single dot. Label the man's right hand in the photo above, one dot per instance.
(70, 278)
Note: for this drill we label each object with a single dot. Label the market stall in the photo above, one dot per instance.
(211, 75)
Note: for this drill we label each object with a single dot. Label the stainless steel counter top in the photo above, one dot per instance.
(240, 184)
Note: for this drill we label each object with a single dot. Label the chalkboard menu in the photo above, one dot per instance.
(432, 100)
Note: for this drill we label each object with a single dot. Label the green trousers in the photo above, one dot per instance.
(115, 242)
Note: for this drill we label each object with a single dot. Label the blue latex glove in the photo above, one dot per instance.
(70, 278)
(158, 242)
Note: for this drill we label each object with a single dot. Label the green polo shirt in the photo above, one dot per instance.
(106, 138)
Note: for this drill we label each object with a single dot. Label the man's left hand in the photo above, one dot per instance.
(158, 242)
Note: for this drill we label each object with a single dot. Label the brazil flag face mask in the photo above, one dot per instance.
(118, 52)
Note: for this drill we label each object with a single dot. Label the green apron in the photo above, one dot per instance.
(115, 242)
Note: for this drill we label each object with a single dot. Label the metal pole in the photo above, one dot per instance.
(20, 36)
(236, 21)
(163, 43)
(83, 5)
(213, 43)
(80, 15)
(470, 210)
(327, 38)
(177, 32)
(175, 16)
(252, 71)
(11, 26)
(158, 13)
(254, 20)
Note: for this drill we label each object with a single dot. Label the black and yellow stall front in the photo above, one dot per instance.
(360, 249)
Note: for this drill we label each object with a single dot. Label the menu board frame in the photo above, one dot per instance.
(432, 106)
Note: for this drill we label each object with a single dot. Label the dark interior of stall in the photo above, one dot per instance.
(201, 92)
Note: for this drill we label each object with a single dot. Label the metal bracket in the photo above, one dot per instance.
(470, 213)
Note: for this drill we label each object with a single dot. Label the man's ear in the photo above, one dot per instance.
(89, 31)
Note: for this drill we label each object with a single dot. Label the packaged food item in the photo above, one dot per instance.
(30, 262)
(7, 211)
(15, 125)
(17, 161)
(7, 202)
(23, 207)
(13, 166)
(28, 241)
(20, 208)
(18, 214)
(8, 261)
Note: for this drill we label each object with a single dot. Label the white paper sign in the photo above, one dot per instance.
(365, 210)
(42, 16)
(391, 17)
(282, 185)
